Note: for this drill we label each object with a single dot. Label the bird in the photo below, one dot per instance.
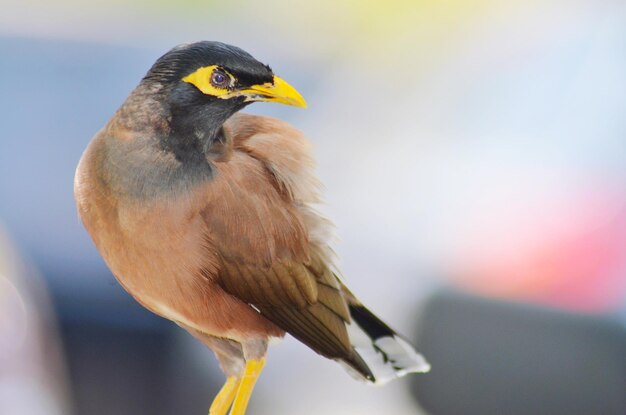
(207, 217)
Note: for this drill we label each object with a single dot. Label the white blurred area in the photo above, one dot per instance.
(481, 141)
(32, 374)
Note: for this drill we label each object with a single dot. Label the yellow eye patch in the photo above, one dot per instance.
(212, 80)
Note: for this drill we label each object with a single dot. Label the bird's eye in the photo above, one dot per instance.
(219, 79)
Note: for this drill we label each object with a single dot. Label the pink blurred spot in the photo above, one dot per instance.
(581, 266)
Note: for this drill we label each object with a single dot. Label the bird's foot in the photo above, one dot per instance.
(251, 373)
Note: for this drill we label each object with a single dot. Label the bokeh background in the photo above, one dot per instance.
(474, 157)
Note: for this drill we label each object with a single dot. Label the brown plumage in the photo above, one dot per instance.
(205, 218)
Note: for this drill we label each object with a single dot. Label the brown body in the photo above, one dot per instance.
(176, 252)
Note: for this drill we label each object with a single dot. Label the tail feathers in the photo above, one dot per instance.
(381, 354)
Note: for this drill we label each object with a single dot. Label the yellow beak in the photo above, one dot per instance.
(279, 91)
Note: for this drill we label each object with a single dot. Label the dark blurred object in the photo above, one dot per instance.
(128, 371)
(493, 357)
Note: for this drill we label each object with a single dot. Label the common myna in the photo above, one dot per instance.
(205, 217)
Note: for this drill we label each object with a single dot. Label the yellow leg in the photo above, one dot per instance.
(225, 397)
(251, 373)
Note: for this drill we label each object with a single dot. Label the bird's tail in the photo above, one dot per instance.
(380, 354)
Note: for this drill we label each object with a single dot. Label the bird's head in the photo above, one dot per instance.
(204, 83)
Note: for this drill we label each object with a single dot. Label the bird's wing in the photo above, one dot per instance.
(304, 301)
(263, 234)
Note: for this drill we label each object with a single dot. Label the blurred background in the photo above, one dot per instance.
(474, 157)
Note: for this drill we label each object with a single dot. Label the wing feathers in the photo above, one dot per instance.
(328, 298)
(271, 243)
(315, 326)
(305, 282)
(308, 306)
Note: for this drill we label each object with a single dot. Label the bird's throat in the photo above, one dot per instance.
(197, 135)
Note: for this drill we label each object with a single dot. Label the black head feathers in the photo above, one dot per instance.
(185, 59)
